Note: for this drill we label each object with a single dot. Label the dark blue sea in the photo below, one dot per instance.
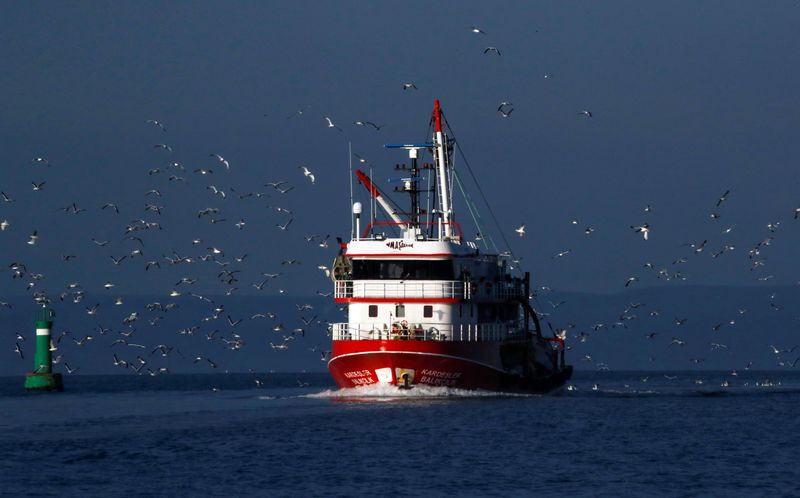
(611, 434)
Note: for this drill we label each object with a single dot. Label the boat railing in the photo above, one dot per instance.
(443, 289)
(401, 330)
(497, 290)
(429, 289)
(456, 228)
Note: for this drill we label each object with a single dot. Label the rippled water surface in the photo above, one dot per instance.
(610, 434)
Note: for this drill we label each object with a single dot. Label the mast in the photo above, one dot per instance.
(411, 186)
(441, 166)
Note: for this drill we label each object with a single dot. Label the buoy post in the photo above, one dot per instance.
(42, 378)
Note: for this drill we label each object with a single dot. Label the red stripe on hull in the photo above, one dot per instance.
(397, 300)
(465, 365)
(406, 256)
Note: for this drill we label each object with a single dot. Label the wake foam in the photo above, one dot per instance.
(389, 391)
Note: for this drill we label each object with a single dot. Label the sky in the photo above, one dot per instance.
(688, 100)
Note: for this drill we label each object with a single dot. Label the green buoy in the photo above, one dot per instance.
(42, 378)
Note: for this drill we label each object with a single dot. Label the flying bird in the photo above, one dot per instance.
(643, 229)
(157, 123)
(222, 160)
(477, 30)
(723, 198)
(308, 174)
(330, 123)
(368, 123)
(588, 114)
(520, 230)
(409, 85)
(491, 49)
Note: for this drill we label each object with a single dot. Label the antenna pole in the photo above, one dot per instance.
(350, 161)
(413, 189)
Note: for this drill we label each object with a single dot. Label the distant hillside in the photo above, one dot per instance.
(748, 321)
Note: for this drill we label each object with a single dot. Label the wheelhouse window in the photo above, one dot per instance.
(372, 269)
(373, 310)
(427, 311)
(400, 311)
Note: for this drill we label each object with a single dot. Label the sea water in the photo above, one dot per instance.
(607, 434)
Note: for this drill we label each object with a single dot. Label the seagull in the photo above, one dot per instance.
(644, 230)
(70, 370)
(18, 350)
(38, 186)
(491, 49)
(6, 197)
(410, 85)
(588, 114)
(308, 174)
(368, 123)
(285, 226)
(330, 123)
(521, 230)
(631, 280)
(477, 30)
(3, 225)
(163, 146)
(507, 114)
(33, 238)
(40, 160)
(222, 160)
(111, 205)
(561, 254)
(156, 123)
(299, 112)
(723, 198)
(216, 191)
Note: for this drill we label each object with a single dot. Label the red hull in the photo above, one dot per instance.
(488, 365)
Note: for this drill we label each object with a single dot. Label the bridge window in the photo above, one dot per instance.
(400, 311)
(372, 269)
(427, 311)
(373, 310)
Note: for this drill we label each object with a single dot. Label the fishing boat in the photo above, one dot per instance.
(427, 306)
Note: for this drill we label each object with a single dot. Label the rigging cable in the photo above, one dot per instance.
(473, 211)
(480, 190)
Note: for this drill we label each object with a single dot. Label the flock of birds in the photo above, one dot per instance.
(217, 324)
(636, 312)
(136, 242)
